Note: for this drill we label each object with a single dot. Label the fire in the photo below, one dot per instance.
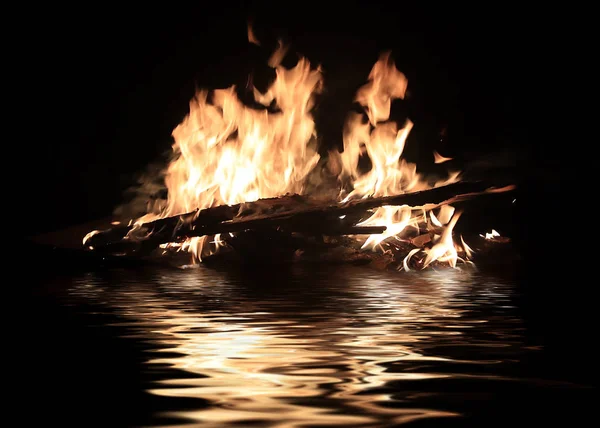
(382, 141)
(226, 153)
(439, 158)
(490, 235)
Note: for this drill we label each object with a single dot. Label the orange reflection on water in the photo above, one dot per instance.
(324, 361)
(236, 355)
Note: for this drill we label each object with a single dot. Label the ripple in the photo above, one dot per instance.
(340, 347)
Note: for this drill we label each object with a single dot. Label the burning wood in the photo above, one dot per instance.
(228, 154)
(289, 214)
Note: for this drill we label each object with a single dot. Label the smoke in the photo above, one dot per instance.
(148, 195)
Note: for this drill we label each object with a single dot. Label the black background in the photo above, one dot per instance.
(102, 87)
(107, 85)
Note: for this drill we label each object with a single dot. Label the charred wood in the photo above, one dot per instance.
(290, 213)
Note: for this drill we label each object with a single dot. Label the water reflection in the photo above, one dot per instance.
(329, 346)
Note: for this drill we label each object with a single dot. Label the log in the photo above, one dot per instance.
(292, 213)
(318, 218)
(170, 226)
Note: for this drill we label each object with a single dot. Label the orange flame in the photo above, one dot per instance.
(228, 153)
(390, 175)
(439, 158)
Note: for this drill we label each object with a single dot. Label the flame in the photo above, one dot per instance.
(490, 235)
(390, 174)
(437, 158)
(468, 250)
(89, 235)
(227, 152)
(251, 36)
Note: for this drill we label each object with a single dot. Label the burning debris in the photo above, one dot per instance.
(238, 184)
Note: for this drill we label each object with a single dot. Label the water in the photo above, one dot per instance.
(319, 346)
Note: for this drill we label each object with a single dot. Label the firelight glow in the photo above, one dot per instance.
(228, 153)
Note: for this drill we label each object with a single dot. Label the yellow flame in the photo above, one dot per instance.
(468, 250)
(390, 174)
(491, 235)
(444, 249)
(228, 153)
(89, 235)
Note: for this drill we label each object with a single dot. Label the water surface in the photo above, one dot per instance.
(318, 346)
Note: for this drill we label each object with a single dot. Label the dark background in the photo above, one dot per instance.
(102, 87)
(110, 84)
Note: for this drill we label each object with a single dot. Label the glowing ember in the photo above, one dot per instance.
(490, 235)
(228, 153)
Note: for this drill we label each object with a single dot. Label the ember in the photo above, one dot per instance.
(239, 182)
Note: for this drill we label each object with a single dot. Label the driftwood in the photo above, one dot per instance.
(289, 213)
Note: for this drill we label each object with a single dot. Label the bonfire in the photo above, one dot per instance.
(248, 182)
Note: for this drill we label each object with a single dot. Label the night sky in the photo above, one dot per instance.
(110, 84)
